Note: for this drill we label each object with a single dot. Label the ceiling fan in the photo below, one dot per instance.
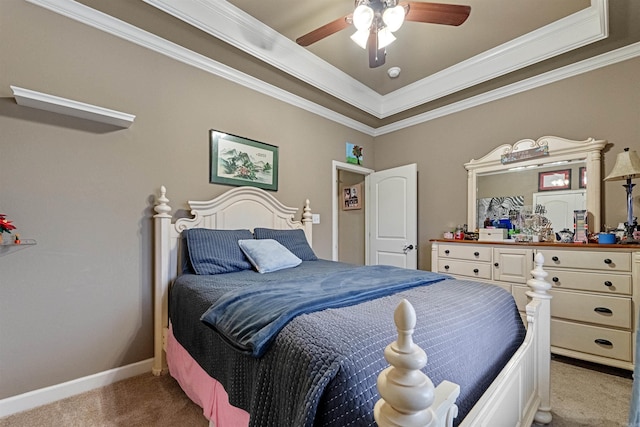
(376, 20)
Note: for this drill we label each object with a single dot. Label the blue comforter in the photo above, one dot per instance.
(321, 369)
(249, 318)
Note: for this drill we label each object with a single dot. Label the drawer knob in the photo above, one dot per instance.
(476, 254)
(608, 283)
(555, 259)
(603, 342)
(447, 252)
(555, 279)
(446, 267)
(475, 270)
(603, 310)
(495, 264)
(607, 261)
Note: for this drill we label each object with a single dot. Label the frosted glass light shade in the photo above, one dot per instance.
(363, 17)
(385, 38)
(361, 37)
(393, 17)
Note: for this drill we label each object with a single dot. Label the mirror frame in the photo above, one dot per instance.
(560, 149)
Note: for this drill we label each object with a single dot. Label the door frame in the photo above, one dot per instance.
(335, 167)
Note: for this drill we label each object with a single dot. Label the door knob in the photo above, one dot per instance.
(407, 248)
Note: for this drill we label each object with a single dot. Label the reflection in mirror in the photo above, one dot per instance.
(554, 190)
(547, 179)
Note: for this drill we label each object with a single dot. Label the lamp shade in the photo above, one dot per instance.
(627, 166)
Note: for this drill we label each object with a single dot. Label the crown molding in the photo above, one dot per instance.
(613, 57)
(577, 30)
(228, 23)
(130, 33)
(113, 26)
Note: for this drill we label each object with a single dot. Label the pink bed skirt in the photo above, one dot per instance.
(201, 388)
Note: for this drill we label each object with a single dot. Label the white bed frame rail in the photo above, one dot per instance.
(519, 395)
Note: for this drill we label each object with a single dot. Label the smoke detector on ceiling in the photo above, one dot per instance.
(393, 72)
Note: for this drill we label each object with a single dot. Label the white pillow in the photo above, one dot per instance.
(267, 255)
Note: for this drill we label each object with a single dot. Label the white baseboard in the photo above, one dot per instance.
(23, 402)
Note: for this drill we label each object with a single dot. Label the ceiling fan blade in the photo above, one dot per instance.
(436, 13)
(376, 56)
(324, 31)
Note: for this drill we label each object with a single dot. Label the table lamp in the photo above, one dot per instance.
(627, 167)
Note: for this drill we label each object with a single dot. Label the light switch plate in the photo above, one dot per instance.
(315, 218)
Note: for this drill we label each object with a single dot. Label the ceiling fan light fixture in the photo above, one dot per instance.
(363, 17)
(385, 38)
(393, 17)
(360, 37)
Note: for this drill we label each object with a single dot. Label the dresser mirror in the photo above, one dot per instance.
(551, 174)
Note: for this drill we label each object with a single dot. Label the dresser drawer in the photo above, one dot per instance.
(473, 253)
(591, 260)
(465, 268)
(601, 310)
(591, 339)
(581, 307)
(607, 283)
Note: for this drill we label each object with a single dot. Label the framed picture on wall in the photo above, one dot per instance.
(354, 154)
(554, 180)
(583, 177)
(241, 161)
(352, 197)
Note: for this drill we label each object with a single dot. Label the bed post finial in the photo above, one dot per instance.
(307, 221)
(162, 207)
(306, 212)
(538, 284)
(406, 392)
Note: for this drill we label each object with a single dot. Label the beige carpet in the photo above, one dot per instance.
(580, 397)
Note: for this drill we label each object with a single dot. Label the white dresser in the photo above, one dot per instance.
(596, 289)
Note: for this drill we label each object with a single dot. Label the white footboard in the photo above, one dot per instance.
(519, 395)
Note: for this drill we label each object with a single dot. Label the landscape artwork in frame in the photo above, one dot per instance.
(555, 180)
(241, 161)
(354, 154)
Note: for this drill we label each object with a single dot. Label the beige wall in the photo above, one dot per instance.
(80, 302)
(351, 223)
(603, 104)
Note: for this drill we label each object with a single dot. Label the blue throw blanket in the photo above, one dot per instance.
(250, 318)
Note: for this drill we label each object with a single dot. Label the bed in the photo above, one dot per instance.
(299, 363)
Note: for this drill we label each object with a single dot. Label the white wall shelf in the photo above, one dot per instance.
(68, 107)
(8, 248)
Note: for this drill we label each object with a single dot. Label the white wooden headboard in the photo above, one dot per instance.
(238, 208)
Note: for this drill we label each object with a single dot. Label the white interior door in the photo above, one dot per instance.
(392, 217)
(560, 206)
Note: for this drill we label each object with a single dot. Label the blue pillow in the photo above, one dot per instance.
(216, 251)
(267, 255)
(185, 264)
(294, 240)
